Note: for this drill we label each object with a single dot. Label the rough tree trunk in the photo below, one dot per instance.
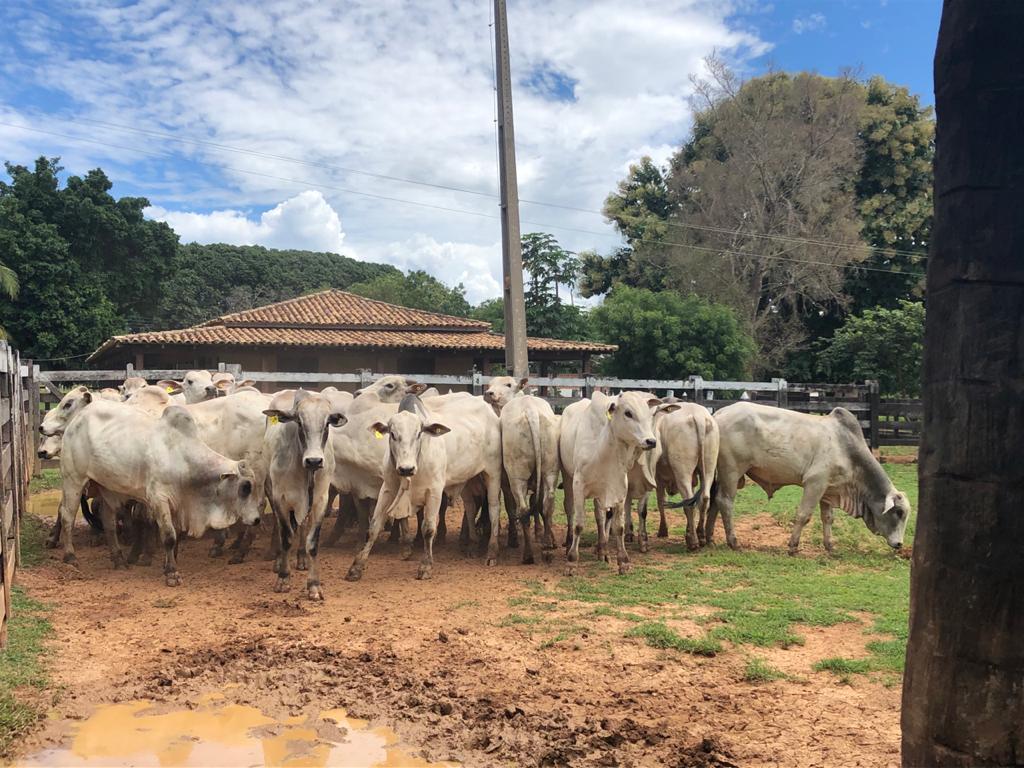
(963, 695)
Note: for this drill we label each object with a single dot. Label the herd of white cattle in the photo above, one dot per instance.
(181, 457)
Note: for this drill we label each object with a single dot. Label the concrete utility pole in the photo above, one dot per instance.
(963, 690)
(511, 247)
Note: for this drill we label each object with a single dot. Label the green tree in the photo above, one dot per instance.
(492, 311)
(550, 267)
(881, 343)
(418, 290)
(670, 336)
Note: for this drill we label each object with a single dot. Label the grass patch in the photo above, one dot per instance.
(604, 610)
(760, 671)
(658, 635)
(48, 480)
(841, 666)
(33, 534)
(518, 619)
(21, 666)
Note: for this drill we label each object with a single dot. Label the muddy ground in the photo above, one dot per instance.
(439, 663)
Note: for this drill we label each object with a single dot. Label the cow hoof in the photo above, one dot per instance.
(792, 551)
(548, 555)
(630, 537)
(301, 565)
(625, 568)
(733, 544)
(216, 550)
(663, 532)
(644, 547)
(492, 561)
(829, 549)
(527, 559)
(693, 545)
(355, 573)
(235, 559)
(283, 584)
(119, 562)
(570, 569)
(425, 572)
(70, 558)
(406, 553)
(172, 579)
(51, 543)
(314, 592)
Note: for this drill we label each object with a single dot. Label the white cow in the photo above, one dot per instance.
(529, 448)
(159, 462)
(599, 442)
(501, 389)
(825, 455)
(429, 455)
(301, 467)
(195, 386)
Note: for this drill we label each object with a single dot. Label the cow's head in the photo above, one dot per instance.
(501, 389)
(197, 386)
(49, 446)
(889, 519)
(631, 418)
(404, 432)
(312, 416)
(392, 388)
(56, 420)
(234, 497)
(131, 385)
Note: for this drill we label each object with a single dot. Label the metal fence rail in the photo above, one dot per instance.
(885, 422)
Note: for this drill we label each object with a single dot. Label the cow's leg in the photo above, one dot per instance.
(826, 525)
(285, 533)
(617, 525)
(274, 549)
(407, 535)
(568, 507)
(165, 522)
(431, 510)
(364, 508)
(600, 550)
(662, 512)
(641, 520)
(630, 534)
(692, 534)
(494, 510)
(813, 491)
(513, 509)
(572, 556)
(442, 521)
(387, 495)
(346, 513)
(519, 498)
(53, 540)
(71, 494)
(314, 523)
(109, 517)
(548, 513)
(242, 544)
(219, 540)
(469, 537)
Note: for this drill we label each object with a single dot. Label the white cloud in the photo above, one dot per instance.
(401, 89)
(306, 222)
(809, 23)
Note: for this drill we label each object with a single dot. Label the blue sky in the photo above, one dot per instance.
(244, 122)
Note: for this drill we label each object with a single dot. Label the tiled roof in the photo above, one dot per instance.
(220, 335)
(343, 310)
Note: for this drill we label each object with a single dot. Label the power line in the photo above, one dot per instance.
(479, 214)
(465, 190)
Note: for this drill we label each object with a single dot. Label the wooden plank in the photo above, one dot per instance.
(901, 409)
(5, 411)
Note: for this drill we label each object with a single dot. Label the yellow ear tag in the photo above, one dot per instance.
(170, 389)
(379, 435)
(273, 419)
(609, 414)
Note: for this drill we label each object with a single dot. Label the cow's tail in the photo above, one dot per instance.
(699, 428)
(403, 491)
(533, 421)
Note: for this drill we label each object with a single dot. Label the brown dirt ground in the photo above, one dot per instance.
(432, 661)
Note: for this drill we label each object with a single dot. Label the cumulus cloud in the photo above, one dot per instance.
(809, 23)
(305, 222)
(402, 90)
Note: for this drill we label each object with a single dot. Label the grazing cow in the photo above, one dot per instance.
(825, 455)
(159, 462)
(301, 467)
(501, 389)
(529, 448)
(430, 456)
(599, 442)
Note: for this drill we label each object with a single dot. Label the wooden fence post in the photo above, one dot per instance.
(365, 379)
(697, 382)
(588, 385)
(478, 381)
(874, 415)
(782, 397)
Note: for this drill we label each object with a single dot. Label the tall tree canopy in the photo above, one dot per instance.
(418, 290)
(786, 184)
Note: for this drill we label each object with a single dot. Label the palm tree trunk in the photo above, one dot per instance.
(963, 694)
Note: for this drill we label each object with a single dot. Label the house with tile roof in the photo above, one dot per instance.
(334, 331)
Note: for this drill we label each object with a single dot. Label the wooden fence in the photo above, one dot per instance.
(885, 422)
(19, 414)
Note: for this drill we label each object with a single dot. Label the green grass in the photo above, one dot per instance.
(759, 598)
(842, 666)
(21, 662)
(658, 635)
(48, 480)
(760, 671)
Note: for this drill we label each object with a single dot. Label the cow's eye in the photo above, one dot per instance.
(66, 405)
(629, 414)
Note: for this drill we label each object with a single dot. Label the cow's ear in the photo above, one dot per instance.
(337, 420)
(87, 396)
(523, 383)
(415, 389)
(436, 429)
(668, 408)
(379, 429)
(169, 386)
(224, 384)
(245, 383)
(411, 382)
(654, 402)
(275, 415)
(611, 407)
(228, 475)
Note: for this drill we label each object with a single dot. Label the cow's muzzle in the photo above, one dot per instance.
(313, 462)
(43, 454)
(898, 545)
(649, 444)
(406, 471)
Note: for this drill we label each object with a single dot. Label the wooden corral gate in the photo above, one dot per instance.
(885, 422)
(19, 415)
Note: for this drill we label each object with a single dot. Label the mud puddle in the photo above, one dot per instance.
(44, 503)
(220, 733)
